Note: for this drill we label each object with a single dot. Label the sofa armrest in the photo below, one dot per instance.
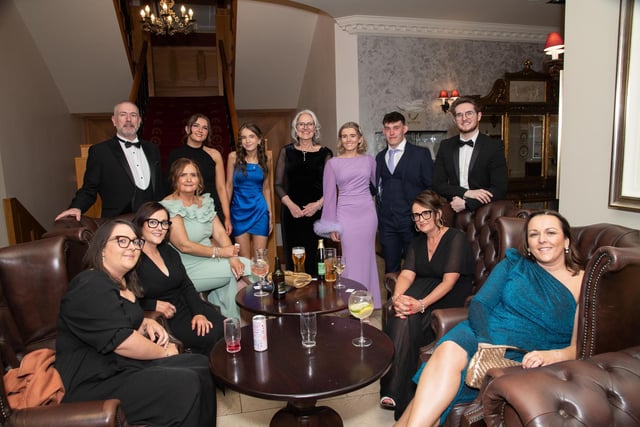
(601, 390)
(107, 413)
(444, 319)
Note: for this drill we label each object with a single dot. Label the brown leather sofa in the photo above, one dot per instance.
(608, 321)
(33, 278)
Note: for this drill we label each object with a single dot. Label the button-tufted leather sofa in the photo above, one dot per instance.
(608, 321)
(33, 278)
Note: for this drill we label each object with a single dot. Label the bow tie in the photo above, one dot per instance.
(128, 144)
(462, 143)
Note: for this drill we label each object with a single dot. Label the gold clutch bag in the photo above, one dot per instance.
(486, 357)
(297, 280)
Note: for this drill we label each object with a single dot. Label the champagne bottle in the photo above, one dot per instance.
(279, 288)
(320, 259)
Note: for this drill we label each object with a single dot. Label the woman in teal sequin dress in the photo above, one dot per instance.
(208, 255)
(249, 190)
(529, 300)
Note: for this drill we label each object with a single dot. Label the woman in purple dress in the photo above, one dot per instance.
(349, 215)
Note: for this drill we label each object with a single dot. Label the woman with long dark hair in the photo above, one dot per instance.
(249, 191)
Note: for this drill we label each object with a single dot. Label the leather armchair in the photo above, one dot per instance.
(33, 278)
(608, 318)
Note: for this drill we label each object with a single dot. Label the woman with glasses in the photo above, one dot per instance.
(208, 254)
(349, 215)
(298, 184)
(107, 349)
(437, 273)
(197, 146)
(167, 287)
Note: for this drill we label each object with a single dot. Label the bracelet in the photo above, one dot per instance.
(215, 253)
(422, 307)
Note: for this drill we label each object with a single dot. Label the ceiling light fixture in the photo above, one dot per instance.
(167, 22)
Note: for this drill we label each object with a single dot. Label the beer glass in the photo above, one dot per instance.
(329, 260)
(299, 255)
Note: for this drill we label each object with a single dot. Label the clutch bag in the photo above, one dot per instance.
(486, 357)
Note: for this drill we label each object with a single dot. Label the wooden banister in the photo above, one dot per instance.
(21, 225)
(228, 92)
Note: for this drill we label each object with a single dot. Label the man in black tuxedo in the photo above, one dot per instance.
(125, 172)
(402, 171)
(470, 170)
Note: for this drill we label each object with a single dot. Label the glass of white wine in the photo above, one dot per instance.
(339, 266)
(361, 307)
(260, 267)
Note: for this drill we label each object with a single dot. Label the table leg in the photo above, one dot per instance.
(306, 413)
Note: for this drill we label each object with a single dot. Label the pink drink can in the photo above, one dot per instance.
(259, 332)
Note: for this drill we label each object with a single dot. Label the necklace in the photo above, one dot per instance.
(304, 152)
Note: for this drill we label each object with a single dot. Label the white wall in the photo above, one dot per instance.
(318, 88)
(347, 93)
(39, 138)
(587, 113)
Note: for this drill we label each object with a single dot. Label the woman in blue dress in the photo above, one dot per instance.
(529, 301)
(249, 191)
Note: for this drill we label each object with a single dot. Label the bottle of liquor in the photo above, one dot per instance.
(320, 255)
(279, 287)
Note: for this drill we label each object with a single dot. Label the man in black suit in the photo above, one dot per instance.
(402, 171)
(470, 170)
(125, 172)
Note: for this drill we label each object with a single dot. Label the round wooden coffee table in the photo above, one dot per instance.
(289, 372)
(317, 297)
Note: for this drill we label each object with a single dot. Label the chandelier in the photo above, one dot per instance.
(167, 22)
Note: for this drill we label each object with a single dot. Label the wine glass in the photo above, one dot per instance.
(339, 266)
(260, 267)
(361, 307)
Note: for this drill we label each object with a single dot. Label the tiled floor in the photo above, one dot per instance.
(359, 408)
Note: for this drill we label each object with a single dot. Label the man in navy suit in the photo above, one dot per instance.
(470, 170)
(402, 171)
(125, 172)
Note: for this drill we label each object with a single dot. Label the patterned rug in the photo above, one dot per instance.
(166, 118)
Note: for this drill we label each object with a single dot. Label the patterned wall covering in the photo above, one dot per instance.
(394, 71)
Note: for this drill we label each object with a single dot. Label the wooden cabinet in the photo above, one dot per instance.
(522, 110)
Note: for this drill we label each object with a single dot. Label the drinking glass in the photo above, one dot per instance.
(361, 307)
(329, 261)
(299, 255)
(260, 267)
(308, 329)
(339, 266)
(232, 334)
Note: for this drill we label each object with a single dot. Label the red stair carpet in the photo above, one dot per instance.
(166, 118)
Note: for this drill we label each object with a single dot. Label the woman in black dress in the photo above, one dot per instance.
(106, 349)
(168, 289)
(298, 184)
(437, 273)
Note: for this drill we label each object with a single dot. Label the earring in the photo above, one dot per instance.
(416, 227)
(566, 250)
(528, 252)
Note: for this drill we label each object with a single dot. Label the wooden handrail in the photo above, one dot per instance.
(228, 91)
(139, 72)
(21, 225)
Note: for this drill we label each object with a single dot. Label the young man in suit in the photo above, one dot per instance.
(402, 171)
(470, 169)
(125, 172)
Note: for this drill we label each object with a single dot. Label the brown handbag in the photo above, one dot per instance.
(486, 357)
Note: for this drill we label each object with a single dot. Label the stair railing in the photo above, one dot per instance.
(228, 92)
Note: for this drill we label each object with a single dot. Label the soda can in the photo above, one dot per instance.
(259, 332)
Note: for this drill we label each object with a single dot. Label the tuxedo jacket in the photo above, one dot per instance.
(108, 174)
(487, 169)
(414, 170)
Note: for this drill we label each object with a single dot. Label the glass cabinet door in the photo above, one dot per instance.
(525, 144)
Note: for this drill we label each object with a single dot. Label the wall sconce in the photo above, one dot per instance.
(554, 45)
(447, 98)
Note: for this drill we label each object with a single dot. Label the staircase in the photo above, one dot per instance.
(166, 117)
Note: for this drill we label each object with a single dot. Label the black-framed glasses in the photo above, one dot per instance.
(424, 215)
(124, 242)
(154, 223)
(305, 125)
